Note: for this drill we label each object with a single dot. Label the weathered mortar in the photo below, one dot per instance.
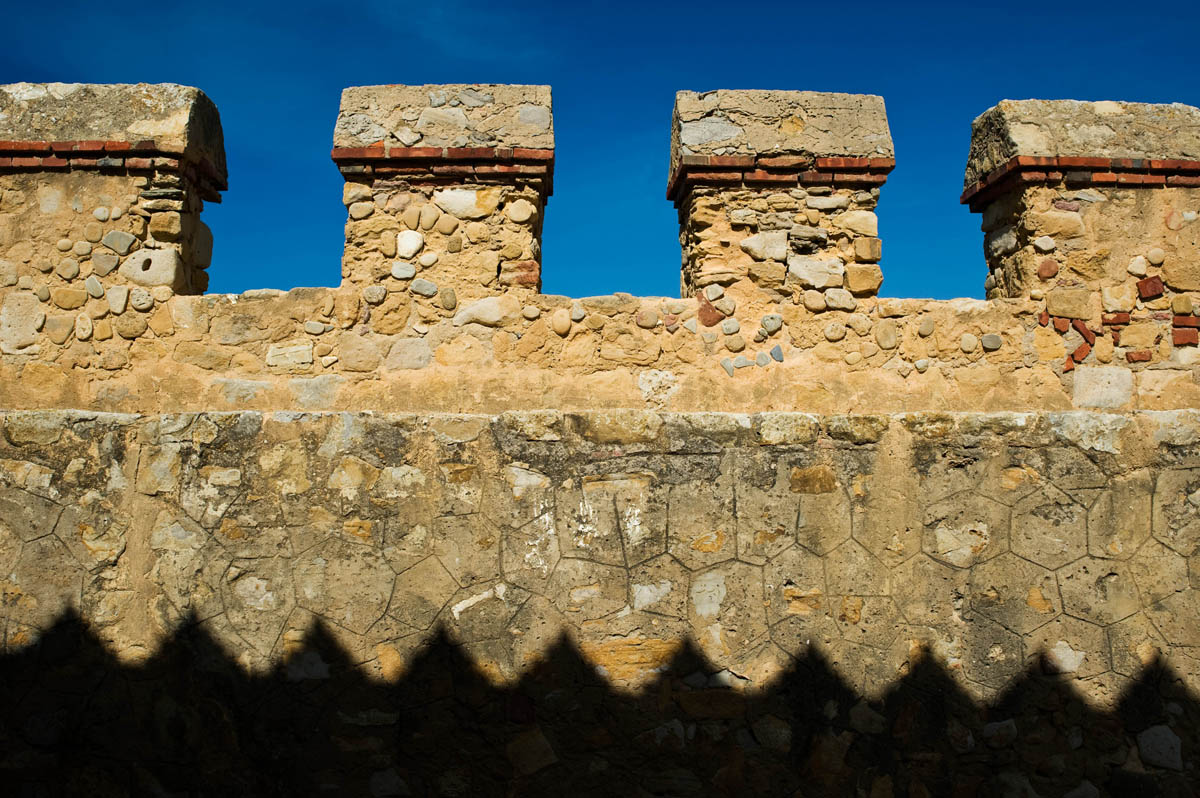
(755, 536)
(1009, 483)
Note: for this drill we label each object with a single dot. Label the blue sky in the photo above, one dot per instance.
(276, 72)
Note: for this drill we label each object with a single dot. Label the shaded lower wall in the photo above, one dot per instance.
(601, 602)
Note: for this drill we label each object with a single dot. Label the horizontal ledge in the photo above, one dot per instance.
(1084, 171)
(380, 152)
(775, 170)
(144, 155)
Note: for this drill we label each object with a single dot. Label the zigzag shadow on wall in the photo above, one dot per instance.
(190, 722)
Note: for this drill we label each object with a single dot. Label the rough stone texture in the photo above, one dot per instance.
(728, 122)
(476, 235)
(310, 497)
(1065, 232)
(1105, 129)
(437, 521)
(449, 115)
(741, 237)
(167, 113)
(135, 226)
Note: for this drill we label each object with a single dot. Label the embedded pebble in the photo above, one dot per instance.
(814, 301)
(117, 295)
(886, 334)
(402, 270)
(730, 326)
(1137, 267)
(93, 287)
(708, 337)
(101, 214)
(64, 245)
(713, 292)
(361, 210)
(991, 342)
(560, 321)
(82, 249)
(762, 359)
(921, 365)
(646, 318)
(760, 335)
(449, 299)
(83, 327)
(93, 232)
(853, 358)
(969, 343)
(314, 327)
(103, 263)
(690, 325)
(374, 294)
(840, 299)
(1044, 244)
(835, 331)
(777, 353)
(423, 287)
(727, 364)
(1156, 256)
(520, 211)
(119, 241)
(725, 305)
(427, 259)
(531, 312)
(772, 323)
(429, 217)
(68, 269)
(735, 343)
(409, 243)
(116, 212)
(926, 328)
(44, 266)
(577, 312)
(140, 299)
(741, 362)
(42, 292)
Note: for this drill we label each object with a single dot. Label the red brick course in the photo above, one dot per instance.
(113, 155)
(694, 170)
(1083, 170)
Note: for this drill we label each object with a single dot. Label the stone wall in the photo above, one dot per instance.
(776, 193)
(778, 468)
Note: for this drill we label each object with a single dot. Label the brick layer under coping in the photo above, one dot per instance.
(145, 155)
(450, 164)
(780, 171)
(1082, 171)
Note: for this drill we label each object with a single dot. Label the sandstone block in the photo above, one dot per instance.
(20, 318)
(816, 273)
(153, 267)
(1070, 303)
(490, 311)
(863, 279)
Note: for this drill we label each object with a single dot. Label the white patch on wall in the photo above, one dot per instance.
(648, 595)
(708, 591)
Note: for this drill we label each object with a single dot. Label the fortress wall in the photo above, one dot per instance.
(989, 539)
(439, 309)
(768, 468)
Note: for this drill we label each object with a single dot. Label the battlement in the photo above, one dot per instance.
(101, 246)
(779, 465)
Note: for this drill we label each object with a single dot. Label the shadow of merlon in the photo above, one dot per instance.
(190, 722)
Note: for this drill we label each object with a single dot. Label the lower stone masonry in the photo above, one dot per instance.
(991, 539)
